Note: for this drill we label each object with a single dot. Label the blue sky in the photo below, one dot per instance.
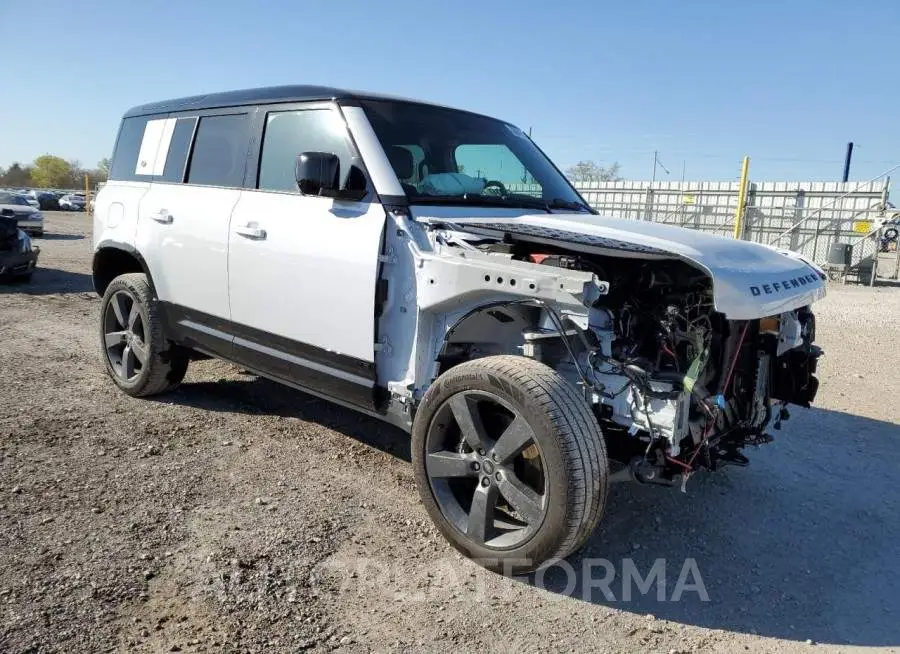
(702, 81)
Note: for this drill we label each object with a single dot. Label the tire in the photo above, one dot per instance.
(545, 418)
(132, 329)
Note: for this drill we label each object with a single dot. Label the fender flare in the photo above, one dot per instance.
(109, 244)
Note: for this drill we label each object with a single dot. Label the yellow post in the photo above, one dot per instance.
(742, 198)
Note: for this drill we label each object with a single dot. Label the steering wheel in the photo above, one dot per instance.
(497, 185)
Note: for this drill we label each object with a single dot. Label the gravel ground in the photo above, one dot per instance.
(237, 515)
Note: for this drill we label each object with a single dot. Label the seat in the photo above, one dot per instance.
(402, 162)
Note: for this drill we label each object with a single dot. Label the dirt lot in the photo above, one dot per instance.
(235, 514)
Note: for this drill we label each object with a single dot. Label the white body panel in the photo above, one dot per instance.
(183, 234)
(748, 278)
(310, 274)
(116, 212)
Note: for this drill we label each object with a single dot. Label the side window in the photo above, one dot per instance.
(179, 148)
(289, 133)
(220, 151)
(125, 157)
(493, 162)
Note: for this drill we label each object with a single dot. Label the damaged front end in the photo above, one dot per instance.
(676, 383)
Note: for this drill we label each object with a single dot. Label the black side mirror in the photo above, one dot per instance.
(317, 173)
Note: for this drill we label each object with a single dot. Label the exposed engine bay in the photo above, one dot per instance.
(675, 385)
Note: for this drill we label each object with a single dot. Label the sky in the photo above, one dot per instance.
(703, 82)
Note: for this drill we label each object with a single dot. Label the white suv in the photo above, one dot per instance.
(433, 268)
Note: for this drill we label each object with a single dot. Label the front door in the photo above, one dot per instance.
(302, 270)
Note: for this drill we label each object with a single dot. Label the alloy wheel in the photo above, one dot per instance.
(125, 336)
(486, 470)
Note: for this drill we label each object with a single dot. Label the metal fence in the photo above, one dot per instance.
(804, 216)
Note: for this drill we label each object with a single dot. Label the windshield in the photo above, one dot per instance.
(9, 198)
(444, 156)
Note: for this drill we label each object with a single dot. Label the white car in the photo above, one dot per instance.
(72, 202)
(433, 268)
(29, 219)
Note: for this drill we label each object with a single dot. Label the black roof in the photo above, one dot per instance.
(265, 95)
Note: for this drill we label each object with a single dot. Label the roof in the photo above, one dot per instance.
(265, 95)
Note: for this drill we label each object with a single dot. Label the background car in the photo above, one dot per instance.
(27, 217)
(72, 202)
(47, 200)
(18, 256)
(31, 200)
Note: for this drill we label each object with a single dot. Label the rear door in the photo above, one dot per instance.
(302, 270)
(184, 221)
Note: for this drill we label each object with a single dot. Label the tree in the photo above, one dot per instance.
(591, 171)
(51, 172)
(93, 176)
(16, 175)
(103, 167)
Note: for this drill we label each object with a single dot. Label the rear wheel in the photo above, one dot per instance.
(138, 357)
(510, 462)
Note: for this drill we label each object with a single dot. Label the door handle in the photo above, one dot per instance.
(251, 231)
(163, 216)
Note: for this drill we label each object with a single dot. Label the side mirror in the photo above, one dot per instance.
(317, 173)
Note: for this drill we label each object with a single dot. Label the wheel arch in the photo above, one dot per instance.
(498, 323)
(111, 259)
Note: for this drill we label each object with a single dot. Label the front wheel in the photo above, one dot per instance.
(510, 462)
(138, 357)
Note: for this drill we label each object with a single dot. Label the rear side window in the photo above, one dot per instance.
(220, 151)
(179, 149)
(124, 160)
(289, 133)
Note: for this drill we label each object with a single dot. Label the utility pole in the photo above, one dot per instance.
(847, 158)
(657, 162)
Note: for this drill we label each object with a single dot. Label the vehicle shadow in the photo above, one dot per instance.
(257, 395)
(47, 236)
(46, 281)
(802, 544)
(799, 545)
